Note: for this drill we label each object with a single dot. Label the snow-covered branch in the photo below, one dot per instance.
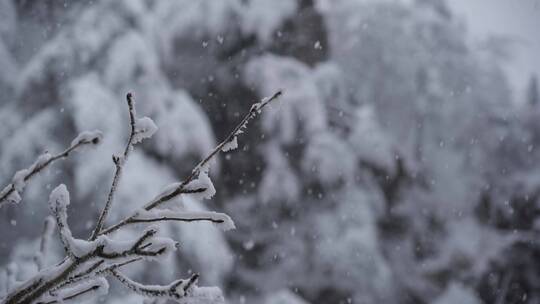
(229, 143)
(58, 202)
(140, 128)
(85, 290)
(222, 220)
(89, 262)
(174, 291)
(198, 181)
(12, 192)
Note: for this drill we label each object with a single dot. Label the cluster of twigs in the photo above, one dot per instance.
(88, 262)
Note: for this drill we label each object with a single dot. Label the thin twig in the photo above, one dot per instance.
(175, 219)
(156, 291)
(94, 271)
(119, 165)
(253, 112)
(10, 188)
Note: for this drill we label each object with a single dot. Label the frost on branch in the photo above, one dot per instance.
(176, 290)
(12, 192)
(82, 274)
(82, 292)
(141, 128)
(221, 220)
(58, 202)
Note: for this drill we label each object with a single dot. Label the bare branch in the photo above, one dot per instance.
(118, 162)
(181, 188)
(12, 192)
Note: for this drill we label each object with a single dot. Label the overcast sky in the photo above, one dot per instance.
(519, 19)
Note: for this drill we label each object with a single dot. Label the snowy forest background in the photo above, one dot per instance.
(396, 168)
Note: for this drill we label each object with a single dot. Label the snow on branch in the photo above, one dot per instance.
(140, 128)
(13, 191)
(176, 290)
(58, 202)
(82, 274)
(222, 220)
(198, 181)
(84, 291)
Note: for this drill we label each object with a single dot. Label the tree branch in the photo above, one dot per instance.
(181, 188)
(92, 259)
(96, 285)
(58, 202)
(118, 162)
(12, 192)
(175, 290)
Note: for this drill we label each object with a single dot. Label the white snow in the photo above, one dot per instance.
(202, 182)
(230, 145)
(284, 297)
(301, 111)
(370, 142)
(87, 137)
(457, 293)
(144, 128)
(59, 198)
(329, 159)
(279, 182)
(20, 178)
(179, 113)
(264, 17)
(204, 295)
